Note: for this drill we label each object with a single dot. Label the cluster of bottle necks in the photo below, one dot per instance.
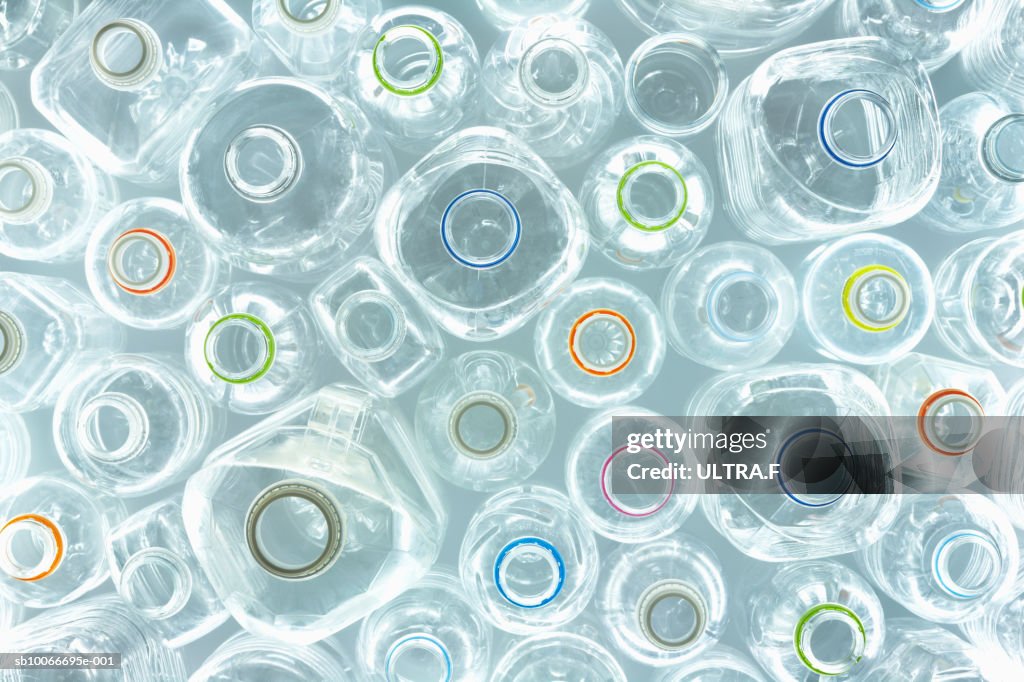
(411, 187)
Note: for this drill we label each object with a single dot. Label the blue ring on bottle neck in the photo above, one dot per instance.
(823, 138)
(938, 6)
(536, 542)
(782, 451)
(503, 256)
(425, 638)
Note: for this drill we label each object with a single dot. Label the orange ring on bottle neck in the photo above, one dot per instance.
(922, 416)
(172, 261)
(58, 541)
(575, 330)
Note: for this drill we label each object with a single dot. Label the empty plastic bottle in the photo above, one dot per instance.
(664, 602)
(483, 232)
(147, 266)
(415, 72)
(9, 119)
(315, 517)
(923, 651)
(558, 656)
(252, 347)
(827, 139)
(51, 540)
(998, 631)
(729, 306)
(51, 196)
(649, 202)
(49, 333)
(600, 342)
(155, 571)
(29, 28)
(556, 82)
(247, 657)
(485, 420)
(982, 184)
(431, 632)
(813, 620)
(719, 664)
(15, 449)
(376, 327)
(283, 177)
(866, 299)
(505, 14)
(313, 39)
(132, 424)
(992, 60)
(527, 562)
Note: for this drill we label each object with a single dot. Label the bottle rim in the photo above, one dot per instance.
(718, 288)
(256, 328)
(927, 415)
(811, 499)
(866, 276)
(87, 419)
(660, 169)
(619, 325)
(40, 191)
(170, 562)
(818, 615)
(662, 591)
(424, 642)
(543, 95)
(387, 347)
(619, 505)
(513, 225)
(289, 156)
(942, 559)
(12, 342)
(395, 84)
(827, 135)
(156, 244)
(490, 400)
(47, 532)
(150, 59)
(525, 546)
(329, 12)
(994, 158)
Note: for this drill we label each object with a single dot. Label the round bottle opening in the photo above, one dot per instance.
(876, 298)
(815, 467)
(157, 582)
(31, 547)
(630, 497)
(529, 572)
(741, 306)
(966, 564)
(239, 348)
(481, 228)
(418, 658)
(1003, 148)
(262, 162)
(370, 325)
(141, 261)
(602, 342)
(482, 425)
(407, 60)
(12, 342)
(112, 427)
(672, 615)
(652, 196)
(126, 54)
(26, 191)
(951, 422)
(857, 128)
(938, 6)
(830, 639)
(554, 72)
(308, 15)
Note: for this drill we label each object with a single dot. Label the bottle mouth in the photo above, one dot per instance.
(308, 16)
(420, 657)
(142, 261)
(126, 54)
(26, 191)
(951, 422)
(672, 615)
(966, 564)
(239, 348)
(641, 503)
(554, 72)
(12, 342)
(262, 162)
(481, 228)
(482, 425)
(939, 6)
(157, 582)
(857, 136)
(294, 530)
(31, 547)
(370, 325)
(112, 427)
(1003, 148)
(602, 342)
(529, 572)
(876, 298)
(407, 60)
(830, 639)
(741, 306)
(815, 467)
(652, 196)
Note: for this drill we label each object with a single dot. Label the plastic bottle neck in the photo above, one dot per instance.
(407, 60)
(126, 54)
(239, 348)
(12, 342)
(1002, 148)
(309, 16)
(857, 128)
(31, 547)
(966, 564)
(142, 261)
(672, 615)
(370, 325)
(554, 72)
(830, 639)
(263, 162)
(112, 427)
(26, 190)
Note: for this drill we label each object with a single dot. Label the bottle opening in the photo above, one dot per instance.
(815, 467)
(141, 261)
(951, 422)
(481, 228)
(482, 425)
(31, 547)
(857, 128)
(407, 60)
(741, 306)
(156, 582)
(370, 325)
(112, 427)
(623, 496)
(602, 342)
(12, 342)
(1003, 148)
(418, 658)
(294, 530)
(554, 72)
(262, 162)
(876, 298)
(672, 615)
(939, 5)
(652, 196)
(966, 565)
(308, 15)
(239, 348)
(26, 191)
(830, 639)
(529, 572)
(126, 54)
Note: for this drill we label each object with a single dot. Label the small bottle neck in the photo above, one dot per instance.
(12, 342)
(1002, 148)
(112, 427)
(967, 564)
(370, 326)
(669, 596)
(554, 72)
(26, 190)
(602, 342)
(823, 660)
(408, 60)
(857, 128)
(263, 162)
(239, 348)
(309, 16)
(126, 54)
(157, 582)
(482, 425)
(741, 306)
(419, 656)
(951, 422)
(876, 298)
(31, 547)
(529, 572)
(142, 261)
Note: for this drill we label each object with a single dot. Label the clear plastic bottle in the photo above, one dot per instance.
(558, 656)
(15, 449)
(730, 306)
(527, 562)
(485, 420)
(315, 517)
(947, 558)
(815, 620)
(156, 572)
(29, 28)
(247, 657)
(49, 333)
(415, 72)
(430, 632)
(923, 651)
(992, 60)
(982, 184)
(649, 202)
(51, 196)
(313, 39)
(664, 602)
(9, 119)
(376, 327)
(253, 347)
(132, 424)
(866, 299)
(600, 342)
(51, 540)
(505, 14)
(676, 84)
(147, 266)
(130, 78)
(511, 234)
(283, 177)
(719, 664)
(827, 139)
(557, 83)
(998, 631)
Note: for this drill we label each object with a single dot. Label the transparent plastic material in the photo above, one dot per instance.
(10, 615)
(649, 202)
(485, 420)
(147, 266)
(51, 540)
(557, 83)
(312, 37)
(623, 517)
(9, 119)
(558, 656)
(600, 342)
(505, 14)
(664, 602)
(827, 139)
(947, 558)
(527, 562)
(992, 60)
(866, 299)
(719, 664)
(156, 572)
(376, 327)
(51, 196)
(815, 620)
(49, 333)
(30, 27)
(482, 232)
(918, 650)
(998, 631)
(982, 184)
(430, 632)
(729, 306)
(131, 78)
(676, 84)
(246, 657)
(315, 517)
(415, 72)
(283, 177)
(15, 449)
(133, 424)
(253, 347)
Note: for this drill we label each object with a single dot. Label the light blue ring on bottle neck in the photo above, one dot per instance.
(432, 643)
(782, 452)
(828, 111)
(954, 540)
(939, 7)
(553, 554)
(500, 258)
